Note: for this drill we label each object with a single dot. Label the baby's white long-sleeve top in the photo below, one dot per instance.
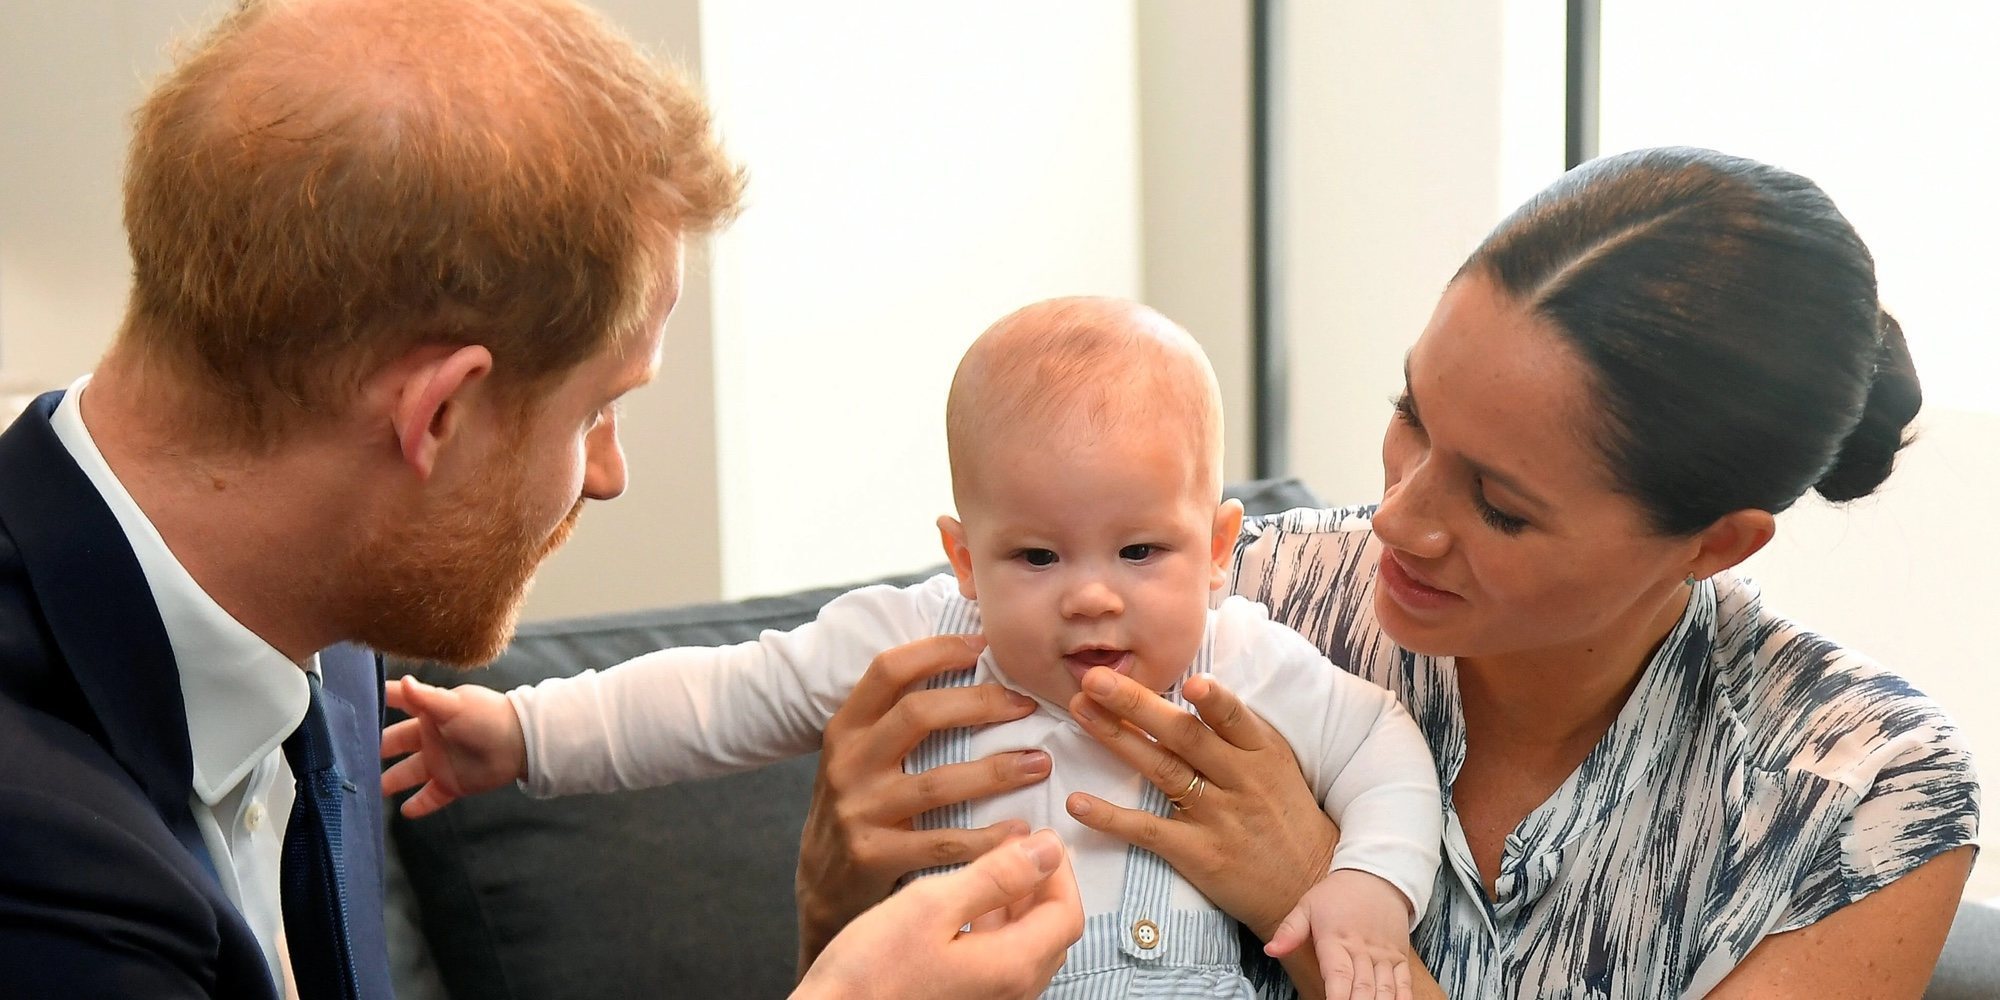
(695, 712)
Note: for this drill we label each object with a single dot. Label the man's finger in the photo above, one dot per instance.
(999, 876)
(892, 670)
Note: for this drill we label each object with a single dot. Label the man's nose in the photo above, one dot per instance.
(604, 462)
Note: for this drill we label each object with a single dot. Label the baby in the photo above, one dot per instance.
(1085, 440)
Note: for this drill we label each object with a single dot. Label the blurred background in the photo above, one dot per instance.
(1294, 181)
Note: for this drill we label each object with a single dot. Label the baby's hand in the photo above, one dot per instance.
(461, 741)
(1360, 929)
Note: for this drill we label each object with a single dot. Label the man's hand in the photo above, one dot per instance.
(1021, 901)
(461, 741)
(858, 838)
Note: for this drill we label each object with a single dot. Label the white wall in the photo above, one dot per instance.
(1410, 130)
(917, 171)
(1389, 146)
(1876, 103)
(1195, 130)
(655, 545)
(70, 74)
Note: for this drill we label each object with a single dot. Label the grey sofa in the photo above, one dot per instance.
(683, 891)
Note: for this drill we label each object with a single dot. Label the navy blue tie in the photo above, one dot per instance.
(311, 874)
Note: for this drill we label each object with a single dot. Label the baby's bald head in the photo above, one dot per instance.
(1067, 373)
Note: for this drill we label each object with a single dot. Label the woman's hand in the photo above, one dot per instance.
(858, 839)
(1254, 839)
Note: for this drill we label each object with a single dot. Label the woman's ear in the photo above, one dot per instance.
(958, 553)
(431, 393)
(1222, 543)
(1733, 537)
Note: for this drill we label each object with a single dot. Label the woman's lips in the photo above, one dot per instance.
(1410, 592)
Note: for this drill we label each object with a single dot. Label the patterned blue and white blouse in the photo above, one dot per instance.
(1759, 778)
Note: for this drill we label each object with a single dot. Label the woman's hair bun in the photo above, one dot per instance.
(1869, 451)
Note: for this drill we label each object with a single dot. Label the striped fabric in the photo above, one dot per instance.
(1183, 954)
(1759, 778)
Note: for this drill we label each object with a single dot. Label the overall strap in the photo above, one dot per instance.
(946, 746)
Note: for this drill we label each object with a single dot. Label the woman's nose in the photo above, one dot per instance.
(1407, 519)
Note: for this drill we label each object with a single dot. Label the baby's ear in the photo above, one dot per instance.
(958, 553)
(1222, 544)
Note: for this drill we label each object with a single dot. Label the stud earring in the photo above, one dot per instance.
(1689, 582)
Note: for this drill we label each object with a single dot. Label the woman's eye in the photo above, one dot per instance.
(1136, 553)
(1497, 519)
(1406, 409)
(1038, 557)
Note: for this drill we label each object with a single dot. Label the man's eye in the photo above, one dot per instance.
(1136, 553)
(1038, 557)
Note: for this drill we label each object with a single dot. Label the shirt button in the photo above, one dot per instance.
(253, 817)
(1146, 934)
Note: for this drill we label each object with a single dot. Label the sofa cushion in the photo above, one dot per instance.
(677, 891)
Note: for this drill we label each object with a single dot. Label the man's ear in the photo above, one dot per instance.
(1733, 537)
(1222, 544)
(958, 553)
(430, 402)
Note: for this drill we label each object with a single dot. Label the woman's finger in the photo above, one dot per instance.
(892, 670)
(1226, 714)
(918, 714)
(1167, 771)
(1175, 728)
(1157, 834)
(963, 782)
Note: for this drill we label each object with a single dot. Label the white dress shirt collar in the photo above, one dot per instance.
(243, 696)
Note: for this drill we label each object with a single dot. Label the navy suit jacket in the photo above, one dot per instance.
(105, 886)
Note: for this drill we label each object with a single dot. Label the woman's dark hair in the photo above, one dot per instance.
(1727, 313)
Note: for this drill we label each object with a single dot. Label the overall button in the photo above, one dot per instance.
(1146, 934)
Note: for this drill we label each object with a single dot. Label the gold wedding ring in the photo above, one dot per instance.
(1196, 785)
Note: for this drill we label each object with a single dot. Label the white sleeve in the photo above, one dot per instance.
(695, 712)
(1361, 752)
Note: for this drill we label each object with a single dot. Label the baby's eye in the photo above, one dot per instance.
(1038, 557)
(1136, 553)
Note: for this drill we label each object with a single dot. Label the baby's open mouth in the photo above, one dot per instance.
(1097, 657)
